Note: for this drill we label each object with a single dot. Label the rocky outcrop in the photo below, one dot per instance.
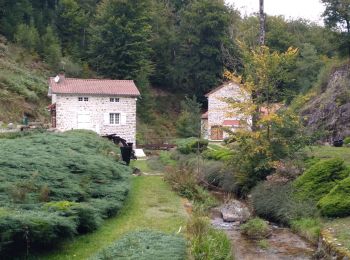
(329, 111)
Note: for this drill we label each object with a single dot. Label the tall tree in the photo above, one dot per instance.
(120, 39)
(337, 15)
(206, 45)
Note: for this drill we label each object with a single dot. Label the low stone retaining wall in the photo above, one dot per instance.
(332, 247)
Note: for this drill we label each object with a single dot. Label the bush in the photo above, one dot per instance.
(347, 140)
(206, 242)
(192, 145)
(337, 202)
(320, 178)
(277, 203)
(218, 155)
(145, 245)
(73, 173)
(256, 228)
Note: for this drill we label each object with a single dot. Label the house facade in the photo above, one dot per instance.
(103, 106)
(219, 115)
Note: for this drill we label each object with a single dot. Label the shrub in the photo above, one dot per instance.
(277, 203)
(320, 178)
(337, 202)
(192, 145)
(86, 184)
(145, 245)
(256, 228)
(347, 140)
(206, 242)
(218, 155)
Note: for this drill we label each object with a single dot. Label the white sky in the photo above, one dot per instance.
(309, 9)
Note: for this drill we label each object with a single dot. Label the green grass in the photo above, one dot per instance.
(151, 204)
(327, 152)
(309, 228)
(142, 165)
(340, 230)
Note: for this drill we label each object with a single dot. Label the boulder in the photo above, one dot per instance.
(235, 211)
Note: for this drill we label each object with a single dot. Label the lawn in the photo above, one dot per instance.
(326, 152)
(151, 204)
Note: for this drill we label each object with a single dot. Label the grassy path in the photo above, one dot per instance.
(151, 205)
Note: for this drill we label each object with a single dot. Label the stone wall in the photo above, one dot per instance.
(218, 108)
(98, 108)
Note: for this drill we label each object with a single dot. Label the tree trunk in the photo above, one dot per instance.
(262, 23)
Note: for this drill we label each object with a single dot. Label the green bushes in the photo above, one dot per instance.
(145, 245)
(277, 203)
(191, 145)
(57, 185)
(320, 178)
(218, 155)
(256, 228)
(337, 202)
(347, 140)
(206, 242)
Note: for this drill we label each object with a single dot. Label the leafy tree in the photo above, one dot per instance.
(206, 46)
(27, 36)
(337, 16)
(120, 36)
(51, 48)
(188, 124)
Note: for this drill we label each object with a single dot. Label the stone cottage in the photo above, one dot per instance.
(219, 115)
(100, 105)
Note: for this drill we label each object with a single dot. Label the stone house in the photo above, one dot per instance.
(219, 115)
(101, 105)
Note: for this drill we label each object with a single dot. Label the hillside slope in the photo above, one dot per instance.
(23, 84)
(329, 111)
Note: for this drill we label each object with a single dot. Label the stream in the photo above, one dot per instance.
(282, 244)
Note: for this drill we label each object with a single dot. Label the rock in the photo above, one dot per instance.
(235, 211)
(10, 126)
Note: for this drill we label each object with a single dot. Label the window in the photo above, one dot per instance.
(114, 118)
(83, 99)
(114, 99)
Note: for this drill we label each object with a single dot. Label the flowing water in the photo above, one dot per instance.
(282, 244)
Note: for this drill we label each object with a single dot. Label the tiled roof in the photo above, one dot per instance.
(231, 123)
(94, 86)
(205, 115)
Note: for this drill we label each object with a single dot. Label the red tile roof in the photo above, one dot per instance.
(94, 86)
(205, 115)
(231, 123)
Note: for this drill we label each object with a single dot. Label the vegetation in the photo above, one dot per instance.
(337, 202)
(256, 228)
(188, 123)
(310, 228)
(320, 178)
(150, 198)
(191, 145)
(145, 245)
(328, 152)
(206, 242)
(56, 186)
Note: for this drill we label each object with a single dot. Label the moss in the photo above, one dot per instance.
(320, 178)
(337, 202)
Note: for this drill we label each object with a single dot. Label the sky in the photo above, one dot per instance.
(309, 9)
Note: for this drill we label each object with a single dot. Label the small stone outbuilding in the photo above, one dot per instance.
(219, 115)
(100, 105)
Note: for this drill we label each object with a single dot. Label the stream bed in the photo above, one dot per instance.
(282, 244)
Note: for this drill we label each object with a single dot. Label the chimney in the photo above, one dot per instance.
(62, 76)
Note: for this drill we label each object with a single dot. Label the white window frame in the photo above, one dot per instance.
(114, 118)
(83, 99)
(114, 99)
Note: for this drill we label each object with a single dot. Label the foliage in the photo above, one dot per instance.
(206, 242)
(27, 36)
(145, 245)
(277, 203)
(256, 228)
(188, 124)
(51, 48)
(222, 154)
(74, 170)
(310, 228)
(191, 145)
(320, 178)
(347, 140)
(337, 202)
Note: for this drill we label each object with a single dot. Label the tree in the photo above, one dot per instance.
(27, 36)
(188, 124)
(262, 23)
(206, 45)
(337, 16)
(51, 48)
(120, 39)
